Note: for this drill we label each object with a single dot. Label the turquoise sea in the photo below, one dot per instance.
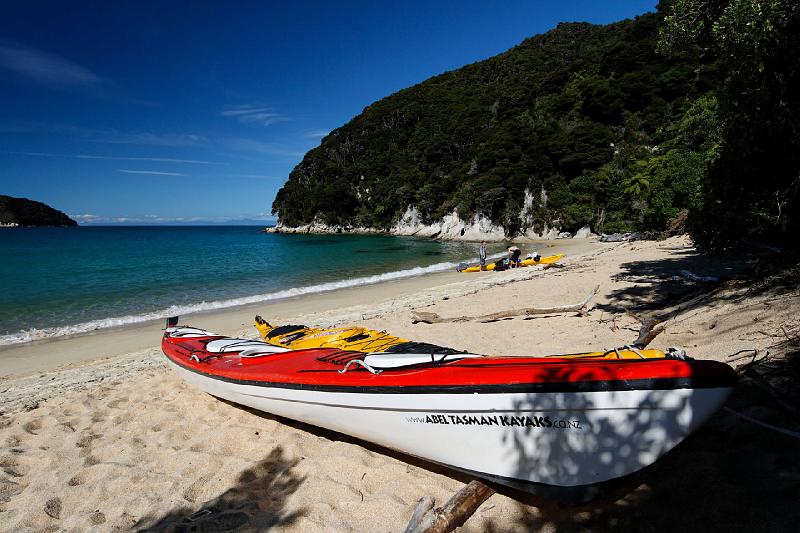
(60, 281)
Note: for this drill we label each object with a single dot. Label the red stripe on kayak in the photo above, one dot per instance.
(302, 367)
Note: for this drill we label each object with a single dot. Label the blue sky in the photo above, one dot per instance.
(180, 112)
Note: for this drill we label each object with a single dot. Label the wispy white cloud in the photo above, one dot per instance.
(119, 158)
(236, 144)
(156, 159)
(252, 145)
(150, 172)
(253, 114)
(20, 126)
(154, 139)
(316, 134)
(89, 219)
(46, 69)
(109, 136)
(255, 176)
(85, 218)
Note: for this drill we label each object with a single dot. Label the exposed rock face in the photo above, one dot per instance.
(619, 237)
(548, 233)
(318, 227)
(24, 212)
(451, 227)
(529, 222)
(526, 215)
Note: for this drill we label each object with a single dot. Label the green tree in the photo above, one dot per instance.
(753, 187)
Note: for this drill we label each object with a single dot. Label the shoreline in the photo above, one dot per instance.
(124, 442)
(42, 355)
(549, 235)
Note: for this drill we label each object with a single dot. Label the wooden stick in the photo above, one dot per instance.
(424, 505)
(794, 340)
(454, 513)
(649, 331)
(433, 318)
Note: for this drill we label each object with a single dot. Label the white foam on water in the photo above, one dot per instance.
(35, 334)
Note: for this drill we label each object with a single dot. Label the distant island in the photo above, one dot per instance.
(25, 212)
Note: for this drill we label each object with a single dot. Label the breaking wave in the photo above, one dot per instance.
(35, 334)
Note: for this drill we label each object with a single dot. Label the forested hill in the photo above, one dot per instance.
(590, 120)
(24, 212)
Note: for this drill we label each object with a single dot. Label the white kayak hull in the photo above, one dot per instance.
(572, 441)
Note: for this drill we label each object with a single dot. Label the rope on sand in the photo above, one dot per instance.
(795, 434)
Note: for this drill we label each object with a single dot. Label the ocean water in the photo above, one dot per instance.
(60, 281)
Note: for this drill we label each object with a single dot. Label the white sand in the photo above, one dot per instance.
(121, 443)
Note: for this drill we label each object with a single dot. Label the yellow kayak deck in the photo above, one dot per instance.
(345, 338)
(367, 340)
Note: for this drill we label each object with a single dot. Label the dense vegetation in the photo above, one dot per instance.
(24, 212)
(620, 126)
(752, 187)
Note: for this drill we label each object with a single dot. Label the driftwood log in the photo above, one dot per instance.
(649, 330)
(432, 318)
(427, 519)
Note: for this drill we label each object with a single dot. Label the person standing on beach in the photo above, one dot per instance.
(482, 255)
(513, 255)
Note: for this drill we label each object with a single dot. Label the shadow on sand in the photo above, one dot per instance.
(257, 502)
(662, 284)
(731, 474)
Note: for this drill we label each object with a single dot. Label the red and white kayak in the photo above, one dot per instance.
(562, 427)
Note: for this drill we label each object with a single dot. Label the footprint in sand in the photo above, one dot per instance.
(12, 467)
(13, 472)
(69, 426)
(33, 426)
(52, 508)
(114, 404)
(86, 441)
(192, 493)
(5, 421)
(91, 461)
(9, 488)
(121, 419)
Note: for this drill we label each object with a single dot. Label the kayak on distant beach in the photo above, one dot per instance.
(528, 261)
(551, 425)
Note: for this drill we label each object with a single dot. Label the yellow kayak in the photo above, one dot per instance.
(345, 338)
(369, 340)
(525, 262)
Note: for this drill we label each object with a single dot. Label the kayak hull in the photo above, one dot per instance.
(568, 436)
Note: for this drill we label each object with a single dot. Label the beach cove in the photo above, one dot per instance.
(117, 441)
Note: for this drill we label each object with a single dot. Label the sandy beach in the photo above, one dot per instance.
(96, 432)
